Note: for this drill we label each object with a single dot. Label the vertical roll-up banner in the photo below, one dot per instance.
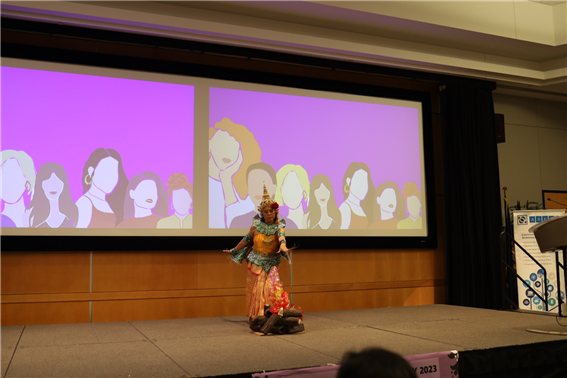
(529, 270)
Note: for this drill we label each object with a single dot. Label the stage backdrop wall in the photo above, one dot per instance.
(40, 287)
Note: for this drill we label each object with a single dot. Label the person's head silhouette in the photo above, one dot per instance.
(375, 363)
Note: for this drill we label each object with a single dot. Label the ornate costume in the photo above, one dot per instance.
(260, 248)
(263, 286)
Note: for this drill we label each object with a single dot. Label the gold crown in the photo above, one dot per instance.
(266, 200)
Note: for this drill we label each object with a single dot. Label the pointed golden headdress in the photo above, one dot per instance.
(267, 201)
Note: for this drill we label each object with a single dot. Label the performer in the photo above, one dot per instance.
(263, 246)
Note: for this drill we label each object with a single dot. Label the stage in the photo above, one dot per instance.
(490, 343)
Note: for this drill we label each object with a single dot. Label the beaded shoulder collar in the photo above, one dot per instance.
(265, 228)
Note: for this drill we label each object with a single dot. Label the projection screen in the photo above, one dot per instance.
(92, 151)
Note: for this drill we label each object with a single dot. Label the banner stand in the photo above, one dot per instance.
(523, 220)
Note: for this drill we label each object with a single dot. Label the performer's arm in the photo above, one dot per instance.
(281, 238)
(247, 239)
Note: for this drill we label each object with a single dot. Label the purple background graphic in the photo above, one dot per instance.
(324, 136)
(63, 118)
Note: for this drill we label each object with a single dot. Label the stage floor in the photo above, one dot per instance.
(225, 346)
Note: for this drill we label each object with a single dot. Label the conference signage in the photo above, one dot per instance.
(529, 270)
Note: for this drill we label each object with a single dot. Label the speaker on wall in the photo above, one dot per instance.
(499, 128)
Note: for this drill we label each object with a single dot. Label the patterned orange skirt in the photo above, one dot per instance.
(262, 289)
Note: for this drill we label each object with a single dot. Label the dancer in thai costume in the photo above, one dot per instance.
(263, 247)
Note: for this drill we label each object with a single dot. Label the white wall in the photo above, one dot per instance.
(534, 156)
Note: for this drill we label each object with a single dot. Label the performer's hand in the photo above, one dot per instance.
(283, 248)
(226, 251)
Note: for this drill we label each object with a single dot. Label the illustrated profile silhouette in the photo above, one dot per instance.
(18, 181)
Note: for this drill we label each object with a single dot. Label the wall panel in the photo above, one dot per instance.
(168, 308)
(403, 265)
(534, 157)
(38, 272)
(156, 270)
(323, 281)
(44, 313)
(318, 267)
(359, 299)
(216, 270)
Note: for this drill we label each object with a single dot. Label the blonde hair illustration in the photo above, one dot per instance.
(281, 178)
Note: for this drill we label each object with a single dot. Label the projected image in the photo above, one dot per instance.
(82, 151)
(413, 205)
(51, 204)
(322, 211)
(17, 186)
(181, 194)
(330, 164)
(388, 206)
(104, 187)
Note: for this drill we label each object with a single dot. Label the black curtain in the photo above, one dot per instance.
(473, 220)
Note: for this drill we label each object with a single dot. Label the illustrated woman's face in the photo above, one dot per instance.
(224, 149)
(322, 195)
(52, 187)
(182, 201)
(256, 180)
(387, 200)
(13, 182)
(105, 176)
(269, 214)
(145, 195)
(292, 191)
(414, 206)
(359, 184)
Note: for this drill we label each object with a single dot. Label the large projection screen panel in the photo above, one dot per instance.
(85, 150)
(130, 153)
(337, 164)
